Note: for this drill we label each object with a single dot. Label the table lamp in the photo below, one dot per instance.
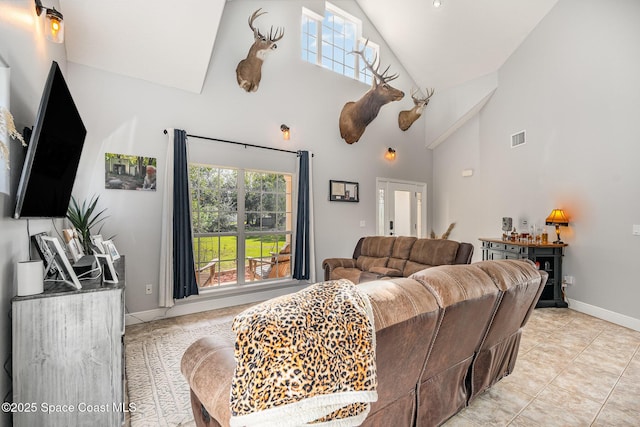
(557, 217)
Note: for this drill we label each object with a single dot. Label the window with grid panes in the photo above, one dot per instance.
(330, 40)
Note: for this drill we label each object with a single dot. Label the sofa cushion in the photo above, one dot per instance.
(377, 246)
(386, 271)
(352, 274)
(375, 252)
(434, 251)
(400, 252)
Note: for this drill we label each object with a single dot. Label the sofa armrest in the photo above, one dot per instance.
(208, 366)
(464, 254)
(330, 264)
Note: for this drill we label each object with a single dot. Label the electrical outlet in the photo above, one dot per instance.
(149, 289)
(569, 280)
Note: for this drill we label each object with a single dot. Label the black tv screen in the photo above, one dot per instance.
(53, 155)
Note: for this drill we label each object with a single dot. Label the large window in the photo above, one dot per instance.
(329, 41)
(242, 222)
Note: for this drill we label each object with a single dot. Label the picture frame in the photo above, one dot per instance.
(110, 249)
(96, 242)
(65, 270)
(108, 271)
(344, 191)
(45, 254)
(70, 236)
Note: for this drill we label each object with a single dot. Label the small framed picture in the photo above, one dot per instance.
(45, 254)
(108, 271)
(96, 242)
(110, 249)
(65, 271)
(343, 191)
(73, 243)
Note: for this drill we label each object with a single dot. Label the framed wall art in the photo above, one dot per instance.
(343, 191)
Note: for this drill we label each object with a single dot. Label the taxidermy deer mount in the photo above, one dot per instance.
(355, 116)
(249, 70)
(407, 117)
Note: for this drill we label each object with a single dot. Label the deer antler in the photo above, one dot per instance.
(277, 36)
(424, 100)
(252, 18)
(273, 37)
(382, 78)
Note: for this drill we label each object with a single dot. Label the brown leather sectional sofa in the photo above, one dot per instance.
(443, 336)
(377, 257)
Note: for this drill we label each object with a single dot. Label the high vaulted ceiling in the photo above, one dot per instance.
(170, 42)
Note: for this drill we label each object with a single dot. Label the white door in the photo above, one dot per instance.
(401, 208)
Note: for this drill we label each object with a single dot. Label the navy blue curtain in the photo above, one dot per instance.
(184, 273)
(301, 261)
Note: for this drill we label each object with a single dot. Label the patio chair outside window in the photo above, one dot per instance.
(278, 266)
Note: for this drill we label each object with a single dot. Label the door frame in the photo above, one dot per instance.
(382, 213)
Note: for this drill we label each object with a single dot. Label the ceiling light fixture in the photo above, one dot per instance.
(54, 25)
(437, 3)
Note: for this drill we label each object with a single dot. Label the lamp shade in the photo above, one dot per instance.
(557, 217)
(54, 26)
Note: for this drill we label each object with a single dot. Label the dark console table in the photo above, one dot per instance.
(548, 257)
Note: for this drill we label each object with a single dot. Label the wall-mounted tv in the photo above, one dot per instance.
(53, 155)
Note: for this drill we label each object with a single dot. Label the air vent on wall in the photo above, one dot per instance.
(518, 139)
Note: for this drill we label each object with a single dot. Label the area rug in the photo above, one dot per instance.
(155, 385)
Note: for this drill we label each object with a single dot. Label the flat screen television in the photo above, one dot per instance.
(53, 155)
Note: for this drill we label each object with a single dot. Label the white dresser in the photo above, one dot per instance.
(68, 355)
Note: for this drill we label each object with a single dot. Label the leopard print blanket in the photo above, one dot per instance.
(306, 358)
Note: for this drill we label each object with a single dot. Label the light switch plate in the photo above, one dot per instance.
(636, 230)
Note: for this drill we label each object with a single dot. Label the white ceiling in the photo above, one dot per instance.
(441, 48)
(161, 41)
(457, 42)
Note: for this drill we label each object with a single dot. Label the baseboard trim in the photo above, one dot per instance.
(604, 314)
(206, 304)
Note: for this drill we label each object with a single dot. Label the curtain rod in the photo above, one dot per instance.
(240, 143)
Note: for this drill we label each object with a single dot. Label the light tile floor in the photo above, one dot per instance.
(572, 370)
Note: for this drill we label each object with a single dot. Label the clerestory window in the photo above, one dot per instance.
(329, 40)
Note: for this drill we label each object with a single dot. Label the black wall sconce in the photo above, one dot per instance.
(54, 25)
(286, 133)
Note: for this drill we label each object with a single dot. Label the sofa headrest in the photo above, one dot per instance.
(434, 251)
(396, 300)
(377, 246)
(508, 273)
(402, 247)
(452, 284)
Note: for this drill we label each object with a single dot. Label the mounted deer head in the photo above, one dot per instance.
(355, 116)
(407, 117)
(249, 70)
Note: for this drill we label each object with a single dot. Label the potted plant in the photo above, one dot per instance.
(84, 219)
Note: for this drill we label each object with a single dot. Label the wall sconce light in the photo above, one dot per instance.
(390, 154)
(557, 217)
(54, 26)
(286, 133)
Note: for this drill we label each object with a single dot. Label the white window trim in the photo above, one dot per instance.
(243, 286)
(359, 38)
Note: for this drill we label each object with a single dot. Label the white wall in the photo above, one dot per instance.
(574, 85)
(126, 115)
